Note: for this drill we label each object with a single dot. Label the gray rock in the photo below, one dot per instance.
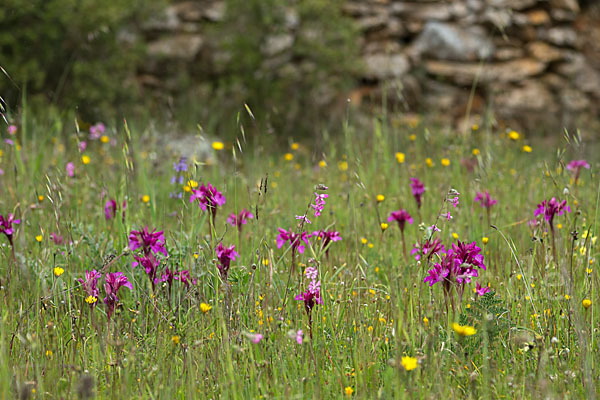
(444, 41)
(423, 11)
(544, 52)
(512, 4)
(371, 23)
(560, 36)
(167, 21)
(181, 46)
(385, 66)
(466, 73)
(277, 44)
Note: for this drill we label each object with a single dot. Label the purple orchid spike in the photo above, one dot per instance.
(148, 241)
(418, 188)
(113, 282)
(225, 256)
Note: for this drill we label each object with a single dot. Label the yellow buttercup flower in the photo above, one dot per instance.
(364, 240)
(175, 339)
(513, 135)
(104, 139)
(429, 162)
(455, 235)
(445, 162)
(384, 226)
(39, 238)
(400, 157)
(288, 156)
(85, 159)
(465, 330)
(343, 165)
(348, 390)
(205, 307)
(527, 149)
(485, 240)
(322, 164)
(58, 271)
(41, 198)
(380, 198)
(425, 321)
(586, 303)
(145, 198)
(91, 299)
(475, 127)
(294, 146)
(412, 137)
(218, 146)
(409, 363)
(475, 152)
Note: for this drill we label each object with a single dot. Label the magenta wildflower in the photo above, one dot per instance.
(113, 282)
(297, 240)
(303, 218)
(575, 166)
(458, 266)
(255, 337)
(6, 225)
(12, 129)
(209, 198)
(418, 188)
(110, 209)
(485, 200)
(427, 249)
(82, 146)
(168, 276)
(57, 238)
(150, 265)
(481, 290)
(97, 130)
(319, 203)
(148, 241)
(90, 286)
(225, 255)
(299, 336)
(401, 217)
(551, 208)
(240, 219)
(70, 168)
(185, 278)
(312, 296)
(327, 237)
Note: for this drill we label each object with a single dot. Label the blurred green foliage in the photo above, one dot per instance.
(77, 54)
(287, 60)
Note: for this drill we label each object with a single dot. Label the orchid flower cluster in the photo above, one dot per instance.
(152, 244)
(458, 266)
(113, 281)
(209, 198)
(327, 237)
(225, 256)
(312, 296)
(240, 219)
(110, 209)
(6, 226)
(550, 209)
(575, 166)
(418, 189)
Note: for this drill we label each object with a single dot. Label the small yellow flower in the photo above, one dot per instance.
(343, 166)
(586, 303)
(205, 307)
(322, 164)
(409, 363)
(364, 240)
(265, 261)
(412, 137)
(475, 152)
(485, 240)
(559, 226)
(464, 330)
(400, 157)
(288, 156)
(475, 127)
(384, 226)
(196, 255)
(519, 276)
(192, 184)
(39, 238)
(445, 162)
(425, 321)
(175, 339)
(297, 166)
(91, 299)
(527, 149)
(58, 271)
(49, 353)
(370, 329)
(218, 146)
(513, 135)
(376, 269)
(145, 198)
(104, 139)
(429, 162)
(41, 198)
(85, 159)
(455, 235)
(348, 390)
(567, 297)
(294, 146)
(533, 285)
(370, 245)
(380, 198)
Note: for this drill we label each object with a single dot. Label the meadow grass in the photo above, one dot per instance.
(380, 332)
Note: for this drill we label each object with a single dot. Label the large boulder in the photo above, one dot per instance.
(444, 41)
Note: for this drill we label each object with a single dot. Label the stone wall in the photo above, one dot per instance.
(534, 62)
